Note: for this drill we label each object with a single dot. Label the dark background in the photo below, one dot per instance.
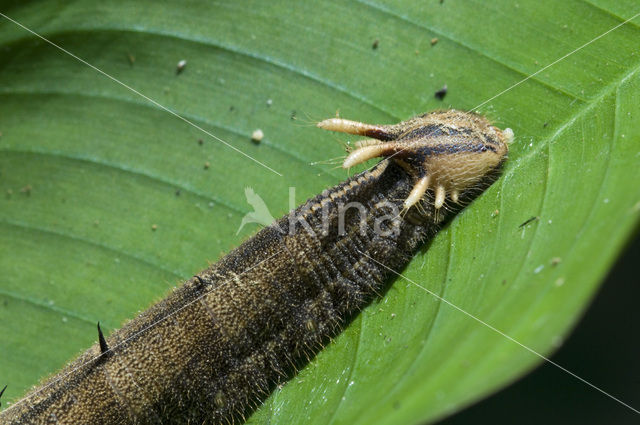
(604, 349)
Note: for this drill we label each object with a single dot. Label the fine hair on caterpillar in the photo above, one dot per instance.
(218, 345)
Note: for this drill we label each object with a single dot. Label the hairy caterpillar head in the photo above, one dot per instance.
(445, 151)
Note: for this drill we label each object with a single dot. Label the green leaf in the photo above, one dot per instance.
(87, 168)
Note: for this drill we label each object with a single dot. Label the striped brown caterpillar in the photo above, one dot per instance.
(215, 347)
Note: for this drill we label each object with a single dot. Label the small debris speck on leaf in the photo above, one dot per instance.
(154, 227)
(26, 190)
(200, 142)
(530, 220)
(269, 102)
(257, 136)
(181, 65)
(375, 44)
(440, 94)
(434, 41)
(207, 165)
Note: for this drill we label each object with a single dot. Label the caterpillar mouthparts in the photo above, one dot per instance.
(445, 151)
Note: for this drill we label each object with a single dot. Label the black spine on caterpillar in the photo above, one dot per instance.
(216, 346)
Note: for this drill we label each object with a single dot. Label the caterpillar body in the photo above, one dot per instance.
(213, 349)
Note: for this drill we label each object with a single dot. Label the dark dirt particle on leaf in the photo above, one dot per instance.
(200, 142)
(440, 94)
(375, 44)
(529, 220)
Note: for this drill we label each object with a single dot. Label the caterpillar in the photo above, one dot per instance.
(216, 346)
